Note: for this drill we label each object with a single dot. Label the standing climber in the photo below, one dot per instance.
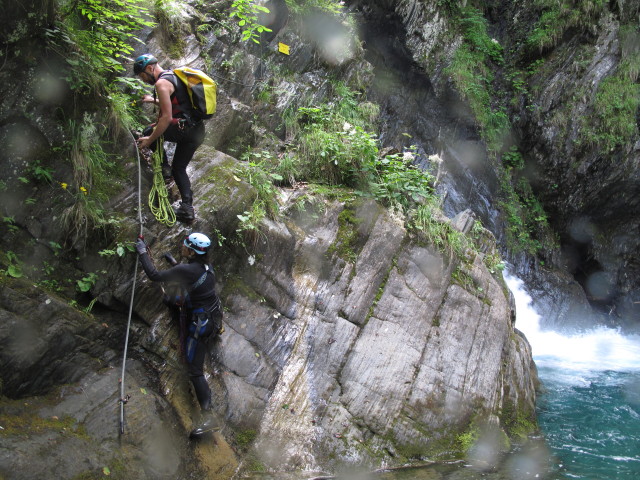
(200, 310)
(174, 124)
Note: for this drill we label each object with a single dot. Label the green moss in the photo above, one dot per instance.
(466, 440)
(517, 422)
(528, 228)
(115, 470)
(173, 31)
(411, 451)
(616, 104)
(245, 437)
(235, 285)
(346, 243)
(471, 71)
(28, 423)
(558, 16)
(341, 194)
(462, 278)
(436, 444)
(380, 291)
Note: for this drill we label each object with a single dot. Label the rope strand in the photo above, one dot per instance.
(123, 399)
(158, 195)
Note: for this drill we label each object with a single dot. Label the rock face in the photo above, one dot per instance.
(62, 376)
(588, 185)
(385, 355)
(349, 339)
(596, 209)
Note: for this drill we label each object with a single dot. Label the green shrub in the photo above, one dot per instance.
(396, 181)
(615, 107)
(332, 139)
(558, 16)
(247, 11)
(94, 36)
(303, 6)
(437, 232)
(471, 72)
(513, 159)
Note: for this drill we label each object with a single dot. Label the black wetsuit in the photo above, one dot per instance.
(201, 300)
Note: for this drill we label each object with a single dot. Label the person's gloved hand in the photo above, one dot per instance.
(141, 247)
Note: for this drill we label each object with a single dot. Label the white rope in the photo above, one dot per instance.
(124, 400)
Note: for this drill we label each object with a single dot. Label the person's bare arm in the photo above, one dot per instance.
(164, 89)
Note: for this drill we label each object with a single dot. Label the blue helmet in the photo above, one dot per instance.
(198, 242)
(142, 61)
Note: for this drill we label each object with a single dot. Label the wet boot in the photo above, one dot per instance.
(185, 212)
(208, 423)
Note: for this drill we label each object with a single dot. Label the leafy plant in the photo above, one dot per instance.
(93, 174)
(560, 15)
(219, 237)
(14, 265)
(10, 224)
(247, 11)
(120, 250)
(56, 247)
(513, 159)
(86, 283)
(94, 36)
(615, 108)
(258, 171)
(398, 181)
(250, 219)
(40, 173)
(527, 225)
(471, 72)
(333, 141)
(437, 231)
(302, 6)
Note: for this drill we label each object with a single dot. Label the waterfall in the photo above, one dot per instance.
(594, 349)
(589, 407)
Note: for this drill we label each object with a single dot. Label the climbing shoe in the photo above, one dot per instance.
(208, 424)
(185, 213)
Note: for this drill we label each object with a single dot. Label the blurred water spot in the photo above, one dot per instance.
(631, 392)
(599, 285)
(49, 89)
(582, 230)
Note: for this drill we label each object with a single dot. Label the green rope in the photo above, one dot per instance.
(159, 196)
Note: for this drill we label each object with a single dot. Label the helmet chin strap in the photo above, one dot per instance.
(153, 76)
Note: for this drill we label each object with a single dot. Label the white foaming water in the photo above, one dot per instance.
(598, 349)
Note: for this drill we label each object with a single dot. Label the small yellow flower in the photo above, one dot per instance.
(63, 185)
(83, 190)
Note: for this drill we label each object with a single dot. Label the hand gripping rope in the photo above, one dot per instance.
(158, 195)
(124, 399)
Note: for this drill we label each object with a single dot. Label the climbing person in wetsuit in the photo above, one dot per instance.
(201, 311)
(174, 124)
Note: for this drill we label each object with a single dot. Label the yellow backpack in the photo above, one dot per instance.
(201, 89)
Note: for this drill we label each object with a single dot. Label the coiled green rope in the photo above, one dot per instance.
(159, 203)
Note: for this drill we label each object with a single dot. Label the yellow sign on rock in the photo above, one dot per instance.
(283, 48)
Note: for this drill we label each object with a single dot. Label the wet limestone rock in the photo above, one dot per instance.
(349, 340)
(60, 378)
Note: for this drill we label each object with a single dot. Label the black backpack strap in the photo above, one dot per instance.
(200, 280)
(186, 108)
